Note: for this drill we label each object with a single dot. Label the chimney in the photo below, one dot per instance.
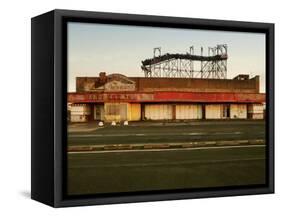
(102, 77)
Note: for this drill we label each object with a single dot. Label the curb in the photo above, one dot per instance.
(91, 148)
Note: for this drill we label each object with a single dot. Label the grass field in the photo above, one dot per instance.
(90, 173)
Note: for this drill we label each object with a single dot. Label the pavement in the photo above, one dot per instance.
(166, 133)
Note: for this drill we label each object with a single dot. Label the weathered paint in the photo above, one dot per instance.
(98, 111)
(238, 111)
(256, 111)
(256, 108)
(256, 116)
(79, 118)
(208, 97)
(134, 111)
(125, 98)
(79, 112)
(110, 97)
(158, 112)
(146, 84)
(214, 111)
(189, 111)
(119, 86)
(115, 112)
(80, 109)
(166, 97)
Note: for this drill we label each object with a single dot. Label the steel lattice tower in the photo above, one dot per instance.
(182, 65)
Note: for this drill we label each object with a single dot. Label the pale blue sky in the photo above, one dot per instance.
(94, 48)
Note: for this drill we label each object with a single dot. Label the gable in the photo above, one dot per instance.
(119, 85)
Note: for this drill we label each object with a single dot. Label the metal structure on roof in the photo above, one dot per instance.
(213, 66)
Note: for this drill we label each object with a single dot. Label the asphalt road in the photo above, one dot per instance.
(167, 132)
(90, 173)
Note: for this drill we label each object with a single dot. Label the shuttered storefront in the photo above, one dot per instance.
(238, 111)
(188, 112)
(256, 111)
(214, 111)
(134, 112)
(98, 112)
(80, 112)
(158, 112)
(115, 111)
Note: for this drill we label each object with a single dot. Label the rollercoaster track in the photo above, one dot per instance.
(181, 65)
(187, 56)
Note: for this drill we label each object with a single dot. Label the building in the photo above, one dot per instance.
(116, 97)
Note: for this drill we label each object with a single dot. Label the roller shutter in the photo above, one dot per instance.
(158, 112)
(238, 111)
(188, 112)
(214, 111)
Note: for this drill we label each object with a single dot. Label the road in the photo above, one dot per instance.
(142, 170)
(90, 173)
(168, 132)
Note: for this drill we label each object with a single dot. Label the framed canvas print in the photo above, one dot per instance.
(131, 108)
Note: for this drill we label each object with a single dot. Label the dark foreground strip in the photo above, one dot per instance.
(186, 145)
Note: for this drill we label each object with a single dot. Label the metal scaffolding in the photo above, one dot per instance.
(182, 65)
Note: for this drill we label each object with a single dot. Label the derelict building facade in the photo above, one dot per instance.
(116, 97)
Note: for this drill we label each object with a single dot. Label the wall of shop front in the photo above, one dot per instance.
(98, 112)
(226, 111)
(158, 112)
(214, 111)
(122, 112)
(135, 111)
(80, 113)
(256, 111)
(188, 111)
(115, 112)
(238, 111)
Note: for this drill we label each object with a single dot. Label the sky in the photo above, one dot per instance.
(95, 48)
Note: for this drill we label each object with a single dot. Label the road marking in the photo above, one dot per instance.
(116, 165)
(195, 134)
(170, 149)
(155, 134)
(227, 133)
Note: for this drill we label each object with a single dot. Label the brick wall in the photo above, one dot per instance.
(88, 84)
(197, 85)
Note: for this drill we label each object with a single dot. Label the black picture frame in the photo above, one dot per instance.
(49, 48)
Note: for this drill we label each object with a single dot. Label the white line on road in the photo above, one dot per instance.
(195, 134)
(153, 134)
(170, 149)
(169, 163)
